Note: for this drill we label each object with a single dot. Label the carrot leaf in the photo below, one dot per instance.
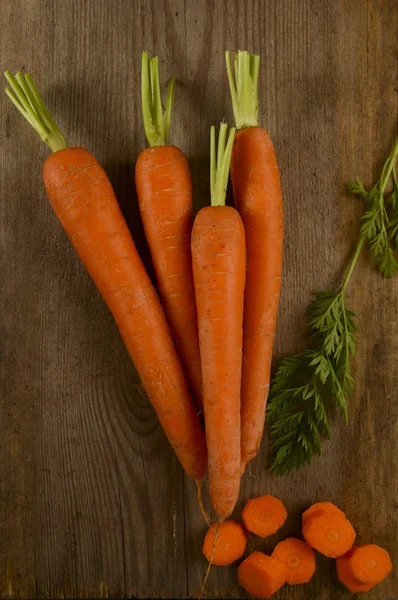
(156, 122)
(243, 85)
(220, 162)
(378, 221)
(309, 384)
(26, 97)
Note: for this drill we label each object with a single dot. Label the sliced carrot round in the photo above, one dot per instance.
(264, 515)
(345, 576)
(261, 575)
(369, 563)
(230, 544)
(298, 559)
(325, 506)
(329, 533)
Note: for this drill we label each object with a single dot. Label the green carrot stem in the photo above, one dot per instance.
(352, 264)
(26, 97)
(156, 123)
(243, 85)
(389, 169)
(219, 163)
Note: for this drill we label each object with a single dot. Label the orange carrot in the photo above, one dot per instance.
(345, 576)
(324, 506)
(164, 191)
(261, 575)
(298, 559)
(329, 532)
(368, 563)
(258, 198)
(218, 254)
(229, 546)
(264, 515)
(84, 201)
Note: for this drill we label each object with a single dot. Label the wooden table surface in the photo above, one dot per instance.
(93, 503)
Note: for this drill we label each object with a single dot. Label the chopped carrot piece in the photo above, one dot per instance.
(230, 543)
(264, 515)
(261, 575)
(298, 559)
(369, 563)
(345, 576)
(329, 533)
(326, 506)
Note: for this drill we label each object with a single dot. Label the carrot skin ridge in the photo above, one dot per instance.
(258, 199)
(83, 199)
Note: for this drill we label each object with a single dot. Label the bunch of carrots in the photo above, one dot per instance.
(202, 346)
(325, 528)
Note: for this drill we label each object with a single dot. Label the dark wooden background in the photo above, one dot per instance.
(93, 502)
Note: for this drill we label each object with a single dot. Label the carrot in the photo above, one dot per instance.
(84, 201)
(264, 515)
(298, 559)
(329, 532)
(218, 255)
(258, 198)
(368, 563)
(230, 544)
(324, 506)
(345, 576)
(261, 575)
(164, 191)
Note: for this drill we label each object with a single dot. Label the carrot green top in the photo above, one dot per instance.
(243, 84)
(26, 97)
(156, 123)
(219, 164)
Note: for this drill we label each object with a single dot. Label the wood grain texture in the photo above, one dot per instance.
(92, 501)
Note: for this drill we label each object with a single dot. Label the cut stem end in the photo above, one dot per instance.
(220, 161)
(156, 122)
(243, 85)
(25, 96)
